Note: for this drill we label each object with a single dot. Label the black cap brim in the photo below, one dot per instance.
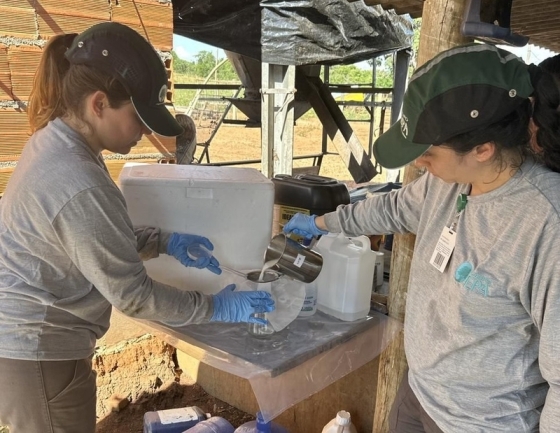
(158, 118)
(392, 150)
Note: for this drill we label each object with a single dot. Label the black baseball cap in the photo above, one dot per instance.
(461, 89)
(121, 52)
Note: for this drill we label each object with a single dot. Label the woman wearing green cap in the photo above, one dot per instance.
(483, 303)
(68, 250)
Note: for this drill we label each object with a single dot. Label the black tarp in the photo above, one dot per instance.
(233, 25)
(329, 31)
(294, 32)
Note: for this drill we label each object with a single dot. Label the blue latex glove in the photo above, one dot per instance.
(230, 306)
(303, 225)
(177, 247)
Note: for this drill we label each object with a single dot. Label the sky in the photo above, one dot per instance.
(530, 53)
(187, 49)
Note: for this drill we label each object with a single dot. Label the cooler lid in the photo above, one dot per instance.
(193, 176)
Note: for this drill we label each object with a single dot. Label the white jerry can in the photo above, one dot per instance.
(345, 282)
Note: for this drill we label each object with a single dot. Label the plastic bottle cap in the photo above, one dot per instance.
(343, 418)
(261, 425)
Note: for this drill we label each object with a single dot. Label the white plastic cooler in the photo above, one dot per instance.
(229, 205)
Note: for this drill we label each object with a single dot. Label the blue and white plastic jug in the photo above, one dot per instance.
(259, 426)
(173, 420)
(216, 424)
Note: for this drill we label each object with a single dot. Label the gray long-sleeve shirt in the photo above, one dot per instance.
(68, 251)
(482, 339)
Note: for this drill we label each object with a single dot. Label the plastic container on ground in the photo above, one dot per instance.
(173, 420)
(216, 424)
(342, 423)
(345, 282)
(259, 426)
(305, 193)
(232, 206)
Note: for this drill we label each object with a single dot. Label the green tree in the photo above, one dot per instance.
(227, 73)
(415, 43)
(180, 66)
(384, 65)
(349, 74)
(205, 62)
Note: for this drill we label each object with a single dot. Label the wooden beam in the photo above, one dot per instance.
(534, 11)
(337, 128)
(529, 4)
(441, 24)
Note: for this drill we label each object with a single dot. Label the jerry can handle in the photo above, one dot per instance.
(363, 241)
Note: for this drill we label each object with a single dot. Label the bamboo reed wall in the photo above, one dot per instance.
(25, 27)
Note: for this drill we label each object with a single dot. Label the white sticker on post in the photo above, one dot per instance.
(444, 249)
(299, 260)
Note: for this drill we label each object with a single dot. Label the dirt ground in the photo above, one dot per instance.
(238, 143)
(143, 375)
(143, 372)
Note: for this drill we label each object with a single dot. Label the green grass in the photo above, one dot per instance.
(184, 97)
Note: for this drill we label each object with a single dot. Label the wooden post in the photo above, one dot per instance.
(441, 29)
(277, 118)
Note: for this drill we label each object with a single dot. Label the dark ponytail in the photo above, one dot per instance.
(546, 114)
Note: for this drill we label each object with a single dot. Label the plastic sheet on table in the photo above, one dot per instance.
(310, 354)
(278, 393)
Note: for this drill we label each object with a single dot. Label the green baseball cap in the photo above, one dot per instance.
(461, 89)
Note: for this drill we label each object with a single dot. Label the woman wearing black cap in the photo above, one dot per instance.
(545, 124)
(68, 250)
(483, 303)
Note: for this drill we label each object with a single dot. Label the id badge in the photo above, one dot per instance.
(444, 249)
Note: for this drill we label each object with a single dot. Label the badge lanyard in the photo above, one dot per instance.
(447, 239)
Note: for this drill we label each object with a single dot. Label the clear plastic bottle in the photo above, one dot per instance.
(310, 303)
(259, 426)
(342, 423)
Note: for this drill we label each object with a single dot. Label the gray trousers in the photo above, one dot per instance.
(407, 415)
(47, 396)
